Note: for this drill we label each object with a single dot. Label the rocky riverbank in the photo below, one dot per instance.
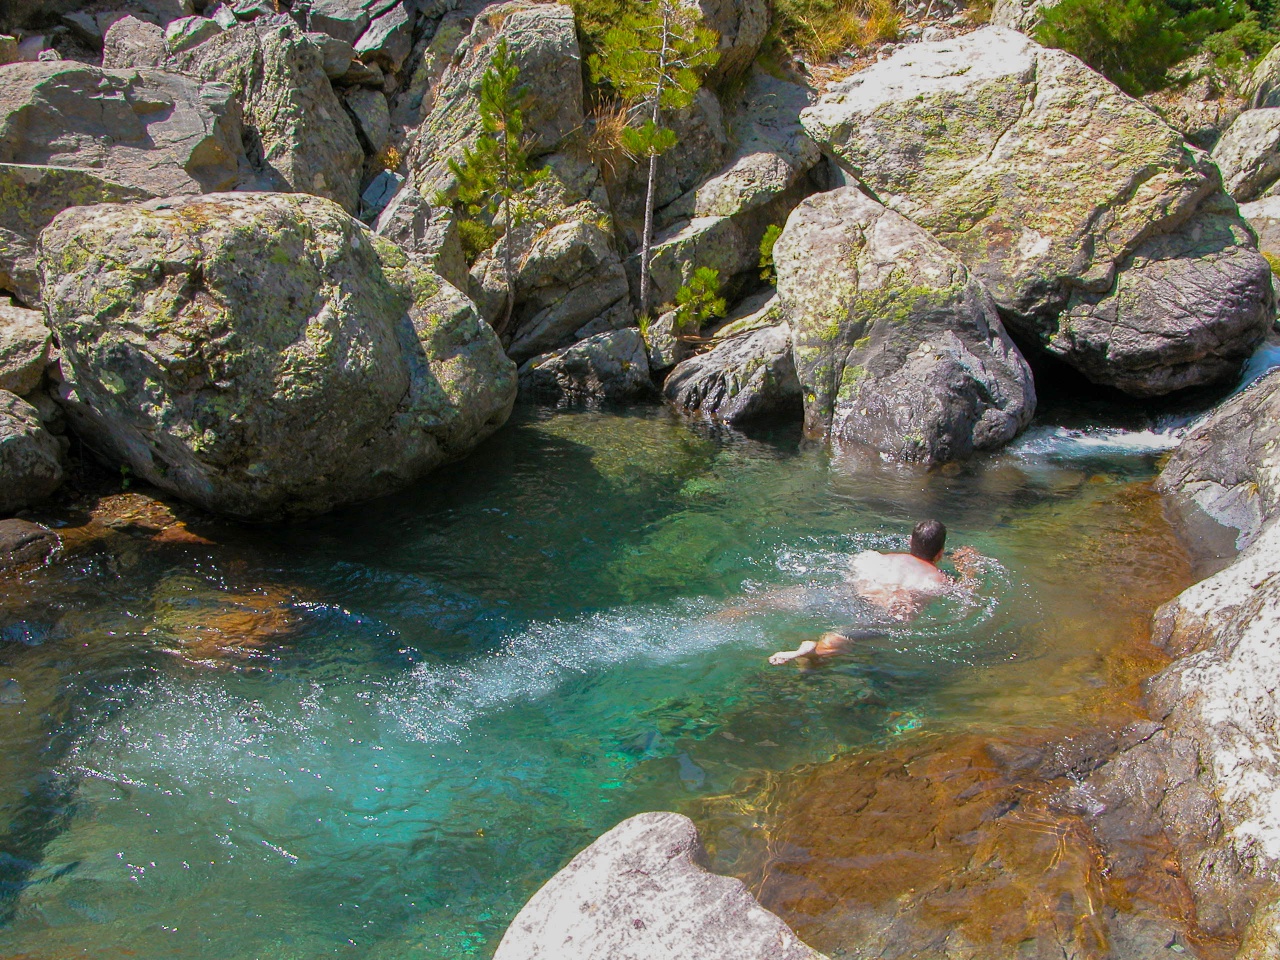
(236, 270)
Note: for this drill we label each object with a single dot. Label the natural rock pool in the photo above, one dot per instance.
(376, 734)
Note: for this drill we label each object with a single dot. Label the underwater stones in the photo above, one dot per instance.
(31, 196)
(308, 143)
(147, 129)
(607, 366)
(264, 355)
(1209, 775)
(25, 348)
(30, 456)
(23, 543)
(897, 346)
(748, 377)
(1249, 154)
(640, 892)
(1147, 336)
(1038, 173)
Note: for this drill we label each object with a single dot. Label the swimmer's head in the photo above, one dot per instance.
(927, 540)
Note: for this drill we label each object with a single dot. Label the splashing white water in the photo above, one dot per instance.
(1065, 442)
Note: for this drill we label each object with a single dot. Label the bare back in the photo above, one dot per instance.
(898, 583)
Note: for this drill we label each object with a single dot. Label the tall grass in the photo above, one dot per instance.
(820, 29)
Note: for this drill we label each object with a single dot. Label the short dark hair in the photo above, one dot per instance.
(928, 539)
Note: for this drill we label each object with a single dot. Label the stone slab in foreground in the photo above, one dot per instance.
(640, 893)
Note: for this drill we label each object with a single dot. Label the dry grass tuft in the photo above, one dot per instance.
(818, 30)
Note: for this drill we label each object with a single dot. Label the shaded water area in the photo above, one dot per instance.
(377, 733)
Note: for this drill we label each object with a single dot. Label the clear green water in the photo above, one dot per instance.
(438, 698)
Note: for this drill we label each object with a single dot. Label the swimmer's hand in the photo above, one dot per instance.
(786, 656)
(967, 561)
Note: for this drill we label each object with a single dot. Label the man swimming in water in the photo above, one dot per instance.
(900, 584)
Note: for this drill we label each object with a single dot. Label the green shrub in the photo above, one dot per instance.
(768, 271)
(1135, 43)
(476, 237)
(698, 301)
(1272, 259)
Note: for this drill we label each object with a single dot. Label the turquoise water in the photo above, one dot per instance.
(376, 734)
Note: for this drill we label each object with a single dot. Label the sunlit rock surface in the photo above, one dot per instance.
(283, 361)
(1058, 191)
(640, 893)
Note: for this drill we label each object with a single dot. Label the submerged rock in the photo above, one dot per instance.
(146, 129)
(30, 456)
(23, 543)
(640, 892)
(263, 355)
(1207, 774)
(608, 366)
(897, 345)
(748, 377)
(1051, 185)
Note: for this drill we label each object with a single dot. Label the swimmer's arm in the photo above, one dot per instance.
(786, 656)
(968, 563)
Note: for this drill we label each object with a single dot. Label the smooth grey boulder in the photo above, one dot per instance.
(748, 377)
(33, 195)
(543, 43)
(336, 54)
(1021, 15)
(343, 20)
(569, 270)
(30, 456)
(264, 355)
(306, 140)
(25, 349)
(608, 366)
(664, 347)
(1248, 154)
(1146, 336)
(642, 892)
(1264, 217)
(1041, 176)
(897, 345)
(1207, 776)
(146, 129)
(772, 153)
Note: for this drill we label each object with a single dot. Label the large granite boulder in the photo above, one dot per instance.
(424, 232)
(146, 129)
(1262, 88)
(544, 45)
(641, 892)
(1145, 336)
(263, 355)
(1207, 774)
(30, 457)
(303, 139)
(897, 345)
(1021, 15)
(131, 43)
(1049, 183)
(30, 197)
(1249, 154)
(25, 349)
(607, 366)
(748, 377)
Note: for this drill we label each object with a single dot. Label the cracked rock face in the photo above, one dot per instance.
(748, 377)
(145, 129)
(1208, 774)
(1049, 183)
(607, 366)
(30, 457)
(264, 355)
(640, 892)
(897, 345)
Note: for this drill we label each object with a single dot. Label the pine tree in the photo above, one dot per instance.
(653, 58)
(494, 175)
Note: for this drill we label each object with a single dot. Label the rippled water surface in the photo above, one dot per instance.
(376, 734)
